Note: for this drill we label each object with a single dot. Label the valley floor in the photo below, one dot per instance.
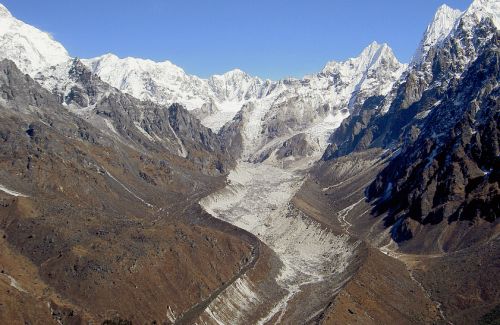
(322, 270)
(258, 198)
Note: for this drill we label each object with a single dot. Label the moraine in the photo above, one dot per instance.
(257, 199)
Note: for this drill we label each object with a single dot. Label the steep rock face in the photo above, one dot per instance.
(299, 145)
(415, 173)
(422, 87)
(439, 129)
(138, 123)
(450, 170)
(441, 26)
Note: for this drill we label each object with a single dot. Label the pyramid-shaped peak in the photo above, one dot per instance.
(440, 27)
(444, 20)
(444, 10)
(235, 72)
(370, 55)
(376, 46)
(376, 51)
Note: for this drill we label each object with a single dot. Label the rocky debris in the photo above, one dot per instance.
(207, 109)
(433, 188)
(232, 133)
(298, 146)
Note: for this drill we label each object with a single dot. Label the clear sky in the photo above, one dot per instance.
(267, 38)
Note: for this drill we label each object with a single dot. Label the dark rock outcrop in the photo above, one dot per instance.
(451, 170)
(144, 125)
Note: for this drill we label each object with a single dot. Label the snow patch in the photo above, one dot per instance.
(11, 192)
(13, 283)
(182, 150)
(139, 127)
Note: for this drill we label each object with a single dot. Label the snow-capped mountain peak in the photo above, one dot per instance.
(217, 99)
(162, 82)
(374, 50)
(437, 31)
(233, 73)
(135, 63)
(480, 9)
(30, 48)
(375, 53)
(372, 54)
(375, 64)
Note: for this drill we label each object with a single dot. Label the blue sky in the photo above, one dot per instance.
(268, 38)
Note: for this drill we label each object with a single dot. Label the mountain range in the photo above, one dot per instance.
(366, 193)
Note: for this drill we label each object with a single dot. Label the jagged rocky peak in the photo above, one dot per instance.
(370, 56)
(373, 72)
(448, 21)
(31, 49)
(440, 27)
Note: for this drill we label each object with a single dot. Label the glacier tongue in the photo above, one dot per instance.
(257, 199)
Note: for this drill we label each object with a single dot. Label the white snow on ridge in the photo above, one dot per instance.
(438, 30)
(161, 82)
(374, 71)
(11, 192)
(480, 9)
(30, 48)
(446, 21)
(338, 85)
